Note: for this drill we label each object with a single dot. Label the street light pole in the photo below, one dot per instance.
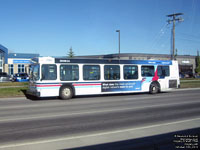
(119, 44)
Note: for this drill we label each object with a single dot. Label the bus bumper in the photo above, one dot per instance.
(33, 93)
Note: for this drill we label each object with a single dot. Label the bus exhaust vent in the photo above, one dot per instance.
(172, 83)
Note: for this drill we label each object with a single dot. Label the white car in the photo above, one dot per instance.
(4, 77)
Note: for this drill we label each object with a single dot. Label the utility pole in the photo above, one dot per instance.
(174, 19)
(119, 44)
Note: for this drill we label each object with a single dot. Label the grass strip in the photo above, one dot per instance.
(13, 91)
(192, 84)
(182, 79)
(4, 84)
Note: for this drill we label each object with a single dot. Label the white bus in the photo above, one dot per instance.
(70, 77)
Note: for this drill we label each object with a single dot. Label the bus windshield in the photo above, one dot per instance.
(35, 74)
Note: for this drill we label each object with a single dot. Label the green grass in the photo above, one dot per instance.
(182, 79)
(190, 84)
(13, 84)
(12, 91)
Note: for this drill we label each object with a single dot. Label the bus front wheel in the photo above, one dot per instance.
(66, 92)
(154, 88)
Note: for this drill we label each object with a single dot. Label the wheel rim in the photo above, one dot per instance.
(67, 92)
(153, 88)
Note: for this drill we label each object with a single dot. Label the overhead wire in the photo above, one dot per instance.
(159, 35)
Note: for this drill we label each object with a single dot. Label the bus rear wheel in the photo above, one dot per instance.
(154, 88)
(66, 92)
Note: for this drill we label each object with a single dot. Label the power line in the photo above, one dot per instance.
(158, 36)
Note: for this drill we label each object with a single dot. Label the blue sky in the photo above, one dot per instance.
(51, 27)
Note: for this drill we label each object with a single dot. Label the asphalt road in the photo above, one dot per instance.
(93, 120)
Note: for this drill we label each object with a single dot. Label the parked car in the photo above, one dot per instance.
(197, 76)
(181, 75)
(4, 77)
(21, 77)
(186, 75)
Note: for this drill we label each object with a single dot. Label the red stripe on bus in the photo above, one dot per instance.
(47, 85)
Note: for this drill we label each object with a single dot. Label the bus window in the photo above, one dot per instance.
(130, 72)
(91, 72)
(163, 71)
(147, 71)
(111, 72)
(35, 73)
(69, 72)
(49, 72)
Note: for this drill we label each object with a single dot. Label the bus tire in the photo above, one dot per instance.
(66, 92)
(154, 88)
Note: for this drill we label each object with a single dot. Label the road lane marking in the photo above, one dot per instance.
(93, 112)
(95, 135)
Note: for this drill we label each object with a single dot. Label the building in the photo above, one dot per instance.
(186, 63)
(19, 62)
(3, 57)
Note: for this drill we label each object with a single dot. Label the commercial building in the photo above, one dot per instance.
(19, 62)
(15, 62)
(3, 57)
(186, 63)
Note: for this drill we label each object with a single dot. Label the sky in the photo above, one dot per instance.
(52, 27)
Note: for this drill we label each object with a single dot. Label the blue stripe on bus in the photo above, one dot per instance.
(103, 61)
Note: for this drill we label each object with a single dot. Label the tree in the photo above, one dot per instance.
(197, 70)
(71, 53)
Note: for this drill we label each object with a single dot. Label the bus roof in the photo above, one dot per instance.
(112, 61)
(52, 60)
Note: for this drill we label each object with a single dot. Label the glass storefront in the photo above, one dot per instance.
(3, 57)
(1, 61)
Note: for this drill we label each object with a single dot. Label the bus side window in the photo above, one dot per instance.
(130, 72)
(147, 71)
(69, 72)
(91, 72)
(163, 71)
(111, 72)
(49, 72)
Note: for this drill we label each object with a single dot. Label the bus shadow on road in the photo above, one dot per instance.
(33, 98)
(186, 139)
(120, 94)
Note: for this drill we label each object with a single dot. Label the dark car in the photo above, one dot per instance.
(21, 77)
(4, 77)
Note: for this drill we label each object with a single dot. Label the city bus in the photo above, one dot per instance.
(66, 78)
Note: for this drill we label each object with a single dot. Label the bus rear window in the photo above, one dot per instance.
(49, 72)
